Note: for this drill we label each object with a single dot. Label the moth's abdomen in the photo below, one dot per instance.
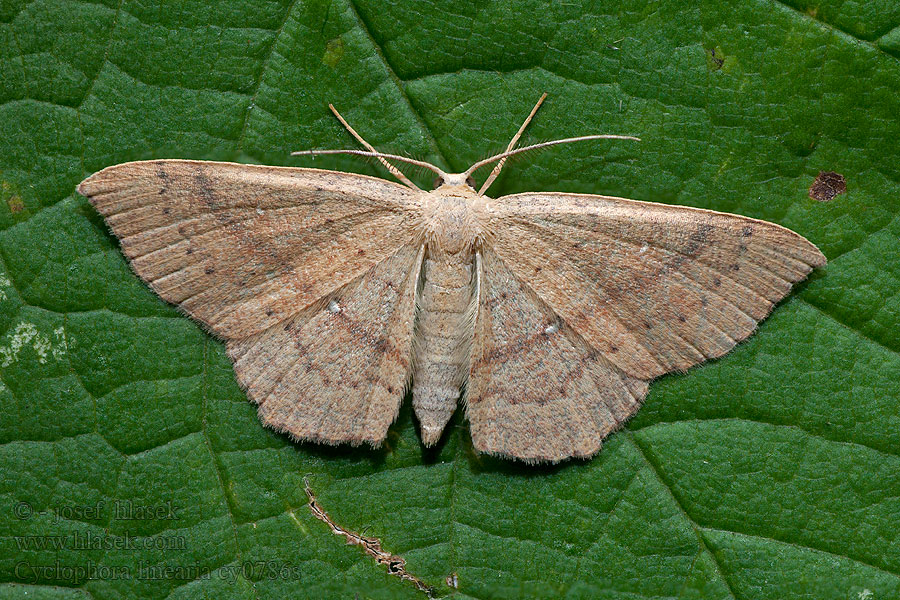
(444, 329)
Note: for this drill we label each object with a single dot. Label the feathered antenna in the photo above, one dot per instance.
(487, 183)
(581, 138)
(376, 154)
(382, 156)
(394, 170)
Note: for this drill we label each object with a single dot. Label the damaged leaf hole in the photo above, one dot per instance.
(715, 58)
(827, 186)
(396, 565)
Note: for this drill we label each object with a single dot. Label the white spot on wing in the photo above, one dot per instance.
(334, 307)
(551, 328)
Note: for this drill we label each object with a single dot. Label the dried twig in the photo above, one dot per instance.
(396, 565)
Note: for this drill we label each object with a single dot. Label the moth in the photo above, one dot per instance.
(550, 312)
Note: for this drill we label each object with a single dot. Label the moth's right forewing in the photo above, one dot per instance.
(244, 247)
(654, 288)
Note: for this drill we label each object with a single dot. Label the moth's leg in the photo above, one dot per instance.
(394, 170)
(512, 143)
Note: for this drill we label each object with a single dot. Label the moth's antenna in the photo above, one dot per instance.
(394, 170)
(487, 183)
(376, 154)
(582, 138)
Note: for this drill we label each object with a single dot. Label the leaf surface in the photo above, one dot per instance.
(770, 473)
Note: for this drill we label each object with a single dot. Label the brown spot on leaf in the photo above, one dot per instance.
(827, 185)
(13, 200)
(15, 204)
(209, 270)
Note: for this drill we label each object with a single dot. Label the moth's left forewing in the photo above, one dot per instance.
(654, 288)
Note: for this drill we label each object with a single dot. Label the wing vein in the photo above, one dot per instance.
(711, 267)
(697, 287)
(632, 332)
(161, 279)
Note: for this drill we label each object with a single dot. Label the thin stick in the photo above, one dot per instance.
(412, 161)
(394, 170)
(487, 183)
(582, 138)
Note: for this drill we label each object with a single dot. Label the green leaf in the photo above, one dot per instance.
(773, 472)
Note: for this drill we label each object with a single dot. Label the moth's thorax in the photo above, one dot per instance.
(454, 217)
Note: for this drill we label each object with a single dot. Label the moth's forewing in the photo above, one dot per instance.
(248, 249)
(653, 288)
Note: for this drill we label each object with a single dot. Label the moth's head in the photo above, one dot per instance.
(456, 180)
